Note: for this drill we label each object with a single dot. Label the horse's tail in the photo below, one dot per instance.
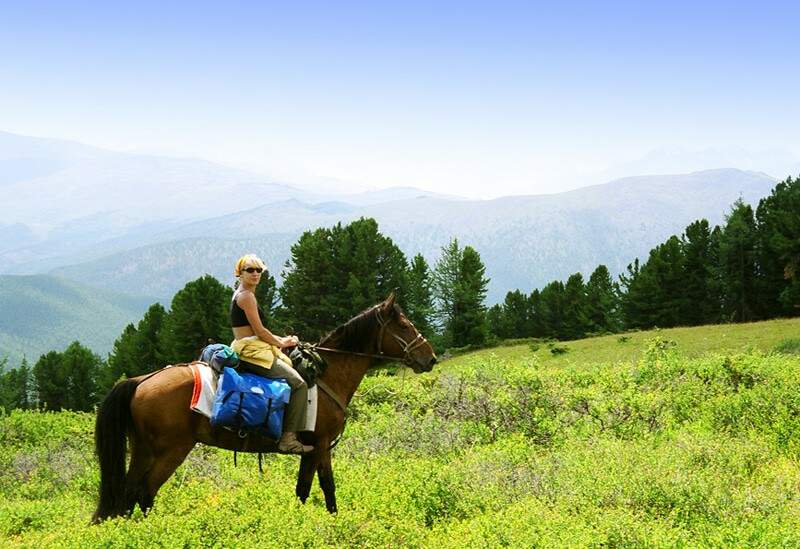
(114, 420)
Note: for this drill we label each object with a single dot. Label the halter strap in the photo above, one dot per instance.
(408, 347)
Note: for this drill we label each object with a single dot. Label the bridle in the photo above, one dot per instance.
(407, 346)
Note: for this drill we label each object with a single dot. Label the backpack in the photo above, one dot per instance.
(249, 402)
(219, 356)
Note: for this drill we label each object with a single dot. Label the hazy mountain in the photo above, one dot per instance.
(66, 201)
(525, 241)
(39, 313)
(778, 163)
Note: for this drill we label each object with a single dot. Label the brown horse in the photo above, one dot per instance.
(154, 412)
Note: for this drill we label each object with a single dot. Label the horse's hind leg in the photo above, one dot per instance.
(305, 476)
(136, 480)
(164, 465)
(325, 474)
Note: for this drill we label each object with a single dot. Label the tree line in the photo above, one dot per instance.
(745, 270)
(332, 274)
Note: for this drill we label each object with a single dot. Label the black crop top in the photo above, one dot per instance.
(239, 318)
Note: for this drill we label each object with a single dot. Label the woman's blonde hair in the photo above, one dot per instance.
(248, 260)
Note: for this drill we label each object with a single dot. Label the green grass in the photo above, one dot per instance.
(691, 342)
(680, 438)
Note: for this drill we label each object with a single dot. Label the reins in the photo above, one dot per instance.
(407, 347)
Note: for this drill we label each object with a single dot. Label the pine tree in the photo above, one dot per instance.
(666, 265)
(551, 309)
(536, 314)
(149, 353)
(267, 297)
(15, 386)
(121, 361)
(335, 273)
(576, 322)
(81, 367)
(602, 302)
(444, 281)
(701, 301)
(652, 294)
(496, 322)
(778, 249)
(468, 325)
(459, 291)
(737, 259)
(517, 312)
(51, 381)
(199, 313)
(636, 290)
(419, 303)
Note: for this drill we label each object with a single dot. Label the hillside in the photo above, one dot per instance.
(672, 438)
(525, 241)
(40, 313)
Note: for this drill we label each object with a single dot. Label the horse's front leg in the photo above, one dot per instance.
(305, 476)
(325, 473)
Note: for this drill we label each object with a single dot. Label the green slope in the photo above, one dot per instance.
(629, 347)
(42, 313)
(635, 444)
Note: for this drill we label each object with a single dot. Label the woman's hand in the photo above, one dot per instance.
(289, 341)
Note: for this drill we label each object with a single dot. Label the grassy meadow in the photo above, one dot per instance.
(685, 437)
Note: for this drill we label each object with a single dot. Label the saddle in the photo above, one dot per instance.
(308, 363)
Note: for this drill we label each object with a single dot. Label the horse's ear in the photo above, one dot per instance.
(388, 303)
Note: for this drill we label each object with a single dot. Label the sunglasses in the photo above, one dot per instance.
(253, 270)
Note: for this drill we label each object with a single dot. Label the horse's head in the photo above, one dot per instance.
(398, 338)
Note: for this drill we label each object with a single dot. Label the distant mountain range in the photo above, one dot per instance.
(525, 241)
(146, 225)
(40, 313)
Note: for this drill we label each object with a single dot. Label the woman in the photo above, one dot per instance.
(257, 345)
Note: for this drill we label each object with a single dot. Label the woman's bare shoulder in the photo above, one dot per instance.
(242, 296)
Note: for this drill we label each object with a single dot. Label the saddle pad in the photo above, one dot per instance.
(205, 387)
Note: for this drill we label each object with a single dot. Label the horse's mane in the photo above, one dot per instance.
(357, 334)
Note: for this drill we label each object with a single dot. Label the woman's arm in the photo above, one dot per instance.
(247, 301)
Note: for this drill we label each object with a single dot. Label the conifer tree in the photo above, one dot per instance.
(336, 273)
(633, 301)
(468, 325)
(496, 324)
(517, 313)
(15, 386)
(267, 297)
(701, 301)
(537, 328)
(601, 302)
(51, 381)
(81, 367)
(199, 313)
(552, 309)
(576, 322)
(737, 260)
(149, 353)
(444, 281)
(778, 249)
(121, 361)
(459, 290)
(419, 303)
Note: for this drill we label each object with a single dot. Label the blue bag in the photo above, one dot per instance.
(250, 402)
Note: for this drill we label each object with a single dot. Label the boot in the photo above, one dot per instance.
(288, 444)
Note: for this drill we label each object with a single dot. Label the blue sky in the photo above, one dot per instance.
(479, 99)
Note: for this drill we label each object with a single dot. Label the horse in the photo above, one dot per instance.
(153, 411)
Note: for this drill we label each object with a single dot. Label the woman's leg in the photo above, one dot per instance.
(298, 401)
